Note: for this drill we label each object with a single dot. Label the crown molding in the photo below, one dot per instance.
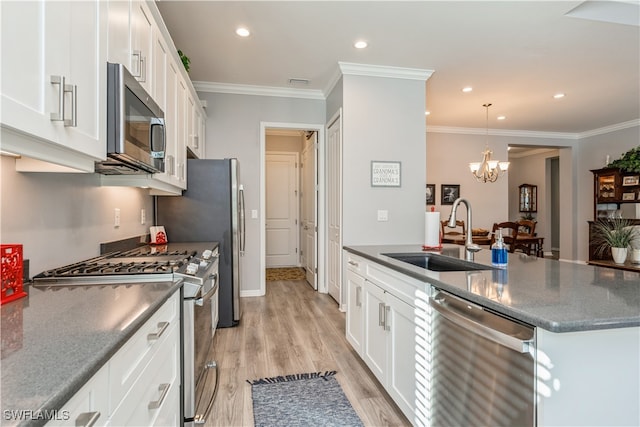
(384, 71)
(238, 89)
(609, 129)
(501, 132)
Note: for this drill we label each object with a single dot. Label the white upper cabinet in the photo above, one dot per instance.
(54, 86)
(142, 44)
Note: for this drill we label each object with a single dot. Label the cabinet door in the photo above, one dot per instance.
(401, 350)
(375, 337)
(142, 28)
(85, 38)
(355, 313)
(59, 41)
(119, 33)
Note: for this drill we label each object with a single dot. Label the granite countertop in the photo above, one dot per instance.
(554, 295)
(55, 339)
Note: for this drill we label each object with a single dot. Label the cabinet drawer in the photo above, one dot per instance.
(156, 392)
(129, 362)
(355, 263)
(90, 402)
(398, 284)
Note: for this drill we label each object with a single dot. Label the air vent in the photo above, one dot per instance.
(298, 81)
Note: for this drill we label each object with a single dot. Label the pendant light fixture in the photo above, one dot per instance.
(488, 170)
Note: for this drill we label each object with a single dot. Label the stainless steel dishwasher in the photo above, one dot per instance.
(483, 367)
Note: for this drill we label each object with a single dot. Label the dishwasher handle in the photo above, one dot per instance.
(439, 303)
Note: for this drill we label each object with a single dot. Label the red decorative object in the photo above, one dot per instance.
(11, 273)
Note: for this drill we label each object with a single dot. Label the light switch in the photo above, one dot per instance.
(383, 215)
(254, 213)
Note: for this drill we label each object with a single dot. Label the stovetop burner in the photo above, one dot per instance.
(140, 263)
(152, 251)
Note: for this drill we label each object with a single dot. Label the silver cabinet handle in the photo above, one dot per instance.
(387, 312)
(162, 326)
(359, 296)
(163, 389)
(87, 419)
(355, 264)
(196, 143)
(138, 55)
(73, 89)
(381, 314)
(59, 115)
(143, 69)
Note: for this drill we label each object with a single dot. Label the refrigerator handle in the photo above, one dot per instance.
(242, 221)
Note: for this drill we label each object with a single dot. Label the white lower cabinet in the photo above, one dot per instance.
(155, 391)
(386, 330)
(140, 384)
(354, 316)
(89, 406)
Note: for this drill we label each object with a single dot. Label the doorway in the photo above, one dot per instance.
(291, 199)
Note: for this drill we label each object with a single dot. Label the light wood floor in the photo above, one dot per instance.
(292, 329)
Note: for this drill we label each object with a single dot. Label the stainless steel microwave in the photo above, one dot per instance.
(135, 127)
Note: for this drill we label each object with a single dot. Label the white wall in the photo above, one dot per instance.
(233, 130)
(448, 157)
(63, 218)
(383, 120)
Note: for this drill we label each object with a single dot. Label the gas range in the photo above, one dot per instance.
(145, 263)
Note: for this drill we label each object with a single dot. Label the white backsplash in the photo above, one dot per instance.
(61, 218)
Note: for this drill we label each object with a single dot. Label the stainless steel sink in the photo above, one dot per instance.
(435, 262)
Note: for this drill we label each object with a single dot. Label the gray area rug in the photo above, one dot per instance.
(313, 399)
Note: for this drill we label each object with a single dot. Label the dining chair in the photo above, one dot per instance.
(526, 227)
(509, 233)
(450, 234)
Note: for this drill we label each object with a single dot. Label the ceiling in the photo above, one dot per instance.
(516, 55)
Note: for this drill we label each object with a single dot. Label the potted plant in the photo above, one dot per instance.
(628, 162)
(617, 234)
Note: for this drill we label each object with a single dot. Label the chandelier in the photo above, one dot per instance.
(488, 170)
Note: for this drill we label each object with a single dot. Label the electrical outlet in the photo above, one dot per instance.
(383, 215)
(143, 216)
(116, 217)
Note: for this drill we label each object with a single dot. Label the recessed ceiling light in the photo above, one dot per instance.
(558, 95)
(467, 89)
(243, 32)
(501, 117)
(360, 44)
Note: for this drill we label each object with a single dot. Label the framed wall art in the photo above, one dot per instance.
(628, 196)
(630, 180)
(385, 174)
(431, 194)
(449, 193)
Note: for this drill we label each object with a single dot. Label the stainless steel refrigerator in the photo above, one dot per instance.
(211, 209)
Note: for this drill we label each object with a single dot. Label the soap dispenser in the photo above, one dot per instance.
(499, 251)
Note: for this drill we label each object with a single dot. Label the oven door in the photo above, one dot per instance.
(200, 373)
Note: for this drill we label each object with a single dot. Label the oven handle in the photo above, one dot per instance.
(208, 295)
(202, 418)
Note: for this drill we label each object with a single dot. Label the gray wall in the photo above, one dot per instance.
(592, 153)
(383, 119)
(233, 130)
(63, 218)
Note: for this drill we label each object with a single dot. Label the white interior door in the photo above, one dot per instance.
(281, 210)
(334, 209)
(308, 225)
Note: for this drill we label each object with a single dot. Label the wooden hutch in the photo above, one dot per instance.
(611, 189)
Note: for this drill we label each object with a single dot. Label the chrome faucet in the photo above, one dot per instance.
(469, 246)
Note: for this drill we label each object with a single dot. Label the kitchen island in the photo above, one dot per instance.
(586, 321)
(55, 341)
